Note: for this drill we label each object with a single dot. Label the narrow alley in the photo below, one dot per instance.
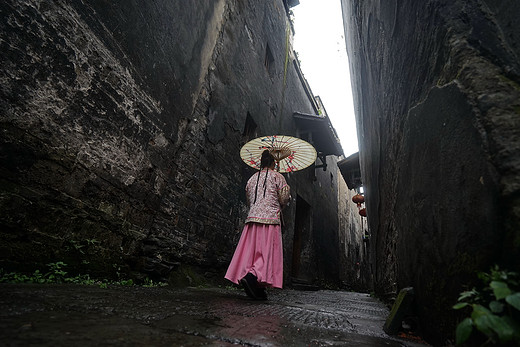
(66, 315)
(132, 150)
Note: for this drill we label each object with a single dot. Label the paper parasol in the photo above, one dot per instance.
(291, 153)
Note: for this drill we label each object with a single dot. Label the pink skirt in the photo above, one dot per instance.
(260, 252)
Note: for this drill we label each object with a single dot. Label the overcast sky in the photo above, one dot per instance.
(320, 43)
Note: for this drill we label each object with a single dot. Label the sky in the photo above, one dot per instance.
(320, 42)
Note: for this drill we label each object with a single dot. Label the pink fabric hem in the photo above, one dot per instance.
(260, 252)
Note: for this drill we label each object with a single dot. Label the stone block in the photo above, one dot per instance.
(400, 309)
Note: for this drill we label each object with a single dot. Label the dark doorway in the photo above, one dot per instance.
(301, 229)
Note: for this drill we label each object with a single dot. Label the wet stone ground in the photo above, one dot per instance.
(73, 315)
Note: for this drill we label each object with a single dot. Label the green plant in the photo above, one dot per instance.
(126, 282)
(495, 309)
(57, 274)
(150, 283)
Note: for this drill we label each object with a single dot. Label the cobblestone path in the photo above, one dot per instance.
(66, 315)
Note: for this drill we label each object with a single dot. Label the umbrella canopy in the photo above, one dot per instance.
(291, 153)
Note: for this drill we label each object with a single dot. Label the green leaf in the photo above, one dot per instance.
(500, 289)
(514, 300)
(491, 324)
(463, 330)
(478, 311)
(496, 307)
(460, 305)
(467, 294)
(479, 322)
(483, 325)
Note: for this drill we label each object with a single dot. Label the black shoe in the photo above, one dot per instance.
(249, 284)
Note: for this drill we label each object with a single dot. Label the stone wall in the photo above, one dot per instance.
(121, 127)
(356, 272)
(437, 98)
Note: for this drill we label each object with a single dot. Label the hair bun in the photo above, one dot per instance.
(266, 153)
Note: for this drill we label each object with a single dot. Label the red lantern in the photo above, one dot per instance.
(363, 212)
(358, 199)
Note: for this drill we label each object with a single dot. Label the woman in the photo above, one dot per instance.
(258, 259)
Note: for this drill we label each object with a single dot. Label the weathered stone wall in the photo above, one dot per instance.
(437, 98)
(354, 252)
(121, 127)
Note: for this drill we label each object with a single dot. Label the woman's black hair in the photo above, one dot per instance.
(266, 161)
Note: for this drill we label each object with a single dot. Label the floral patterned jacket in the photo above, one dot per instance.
(272, 193)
